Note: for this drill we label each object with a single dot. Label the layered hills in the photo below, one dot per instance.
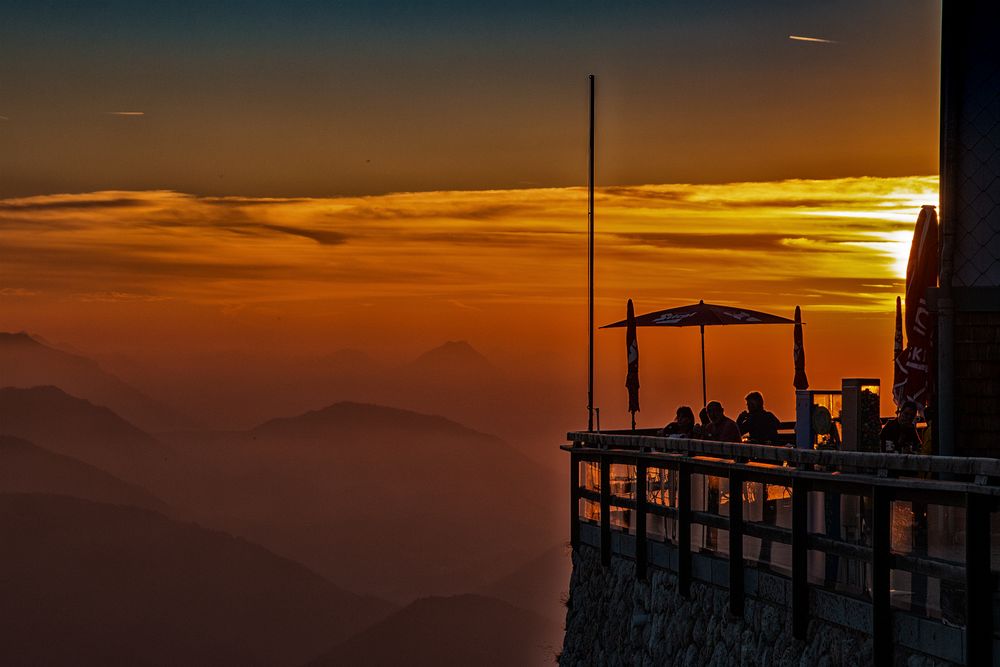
(88, 583)
(398, 503)
(457, 630)
(387, 503)
(27, 361)
(27, 468)
(75, 427)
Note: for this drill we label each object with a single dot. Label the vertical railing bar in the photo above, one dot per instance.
(684, 530)
(641, 557)
(605, 510)
(735, 543)
(800, 563)
(574, 501)
(978, 581)
(882, 639)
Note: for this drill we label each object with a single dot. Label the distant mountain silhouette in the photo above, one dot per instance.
(87, 583)
(27, 468)
(26, 361)
(453, 358)
(351, 416)
(390, 501)
(538, 585)
(51, 418)
(459, 630)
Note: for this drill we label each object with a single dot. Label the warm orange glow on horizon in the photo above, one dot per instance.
(165, 273)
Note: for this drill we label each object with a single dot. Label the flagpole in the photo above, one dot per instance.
(590, 264)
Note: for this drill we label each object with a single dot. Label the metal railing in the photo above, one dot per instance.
(878, 480)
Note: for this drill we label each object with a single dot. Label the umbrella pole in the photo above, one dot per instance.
(704, 392)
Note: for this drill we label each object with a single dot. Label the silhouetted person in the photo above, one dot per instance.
(756, 423)
(683, 425)
(900, 435)
(720, 427)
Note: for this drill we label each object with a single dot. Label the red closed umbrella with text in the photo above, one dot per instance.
(632, 352)
(914, 365)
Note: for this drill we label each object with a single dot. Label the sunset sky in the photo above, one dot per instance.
(178, 179)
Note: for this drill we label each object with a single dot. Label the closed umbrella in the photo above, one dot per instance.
(799, 354)
(921, 273)
(632, 354)
(702, 315)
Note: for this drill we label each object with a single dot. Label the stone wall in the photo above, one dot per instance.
(615, 619)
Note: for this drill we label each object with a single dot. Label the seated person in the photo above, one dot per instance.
(900, 435)
(720, 427)
(756, 423)
(683, 425)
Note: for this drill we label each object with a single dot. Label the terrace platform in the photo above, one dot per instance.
(897, 547)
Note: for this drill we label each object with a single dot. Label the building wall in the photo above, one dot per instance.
(970, 218)
(975, 181)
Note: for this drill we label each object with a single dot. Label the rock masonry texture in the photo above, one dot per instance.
(614, 619)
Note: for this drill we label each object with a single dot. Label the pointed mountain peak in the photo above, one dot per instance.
(453, 353)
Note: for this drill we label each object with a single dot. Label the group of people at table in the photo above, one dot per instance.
(757, 425)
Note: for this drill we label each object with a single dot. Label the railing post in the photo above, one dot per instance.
(978, 581)
(574, 501)
(605, 510)
(882, 639)
(800, 563)
(735, 543)
(640, 519)
(684, 530)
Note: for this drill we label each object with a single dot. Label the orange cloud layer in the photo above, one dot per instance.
(834, 243)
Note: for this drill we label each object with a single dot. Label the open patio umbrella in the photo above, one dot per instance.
(702, 315)
(799, 354)
(632, 354)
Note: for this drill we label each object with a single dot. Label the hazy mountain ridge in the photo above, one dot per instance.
(27, 361)
(237, 393)
(380, 499)
(351, 415)
(370, 496)
(538, 585)
(458, 630)
(28, 468)
(455, 357)
(75, 427)
(94, 584)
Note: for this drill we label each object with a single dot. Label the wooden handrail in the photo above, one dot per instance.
(987, 470)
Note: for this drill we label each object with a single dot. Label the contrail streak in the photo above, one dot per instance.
(799, 38)
(126, 113)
